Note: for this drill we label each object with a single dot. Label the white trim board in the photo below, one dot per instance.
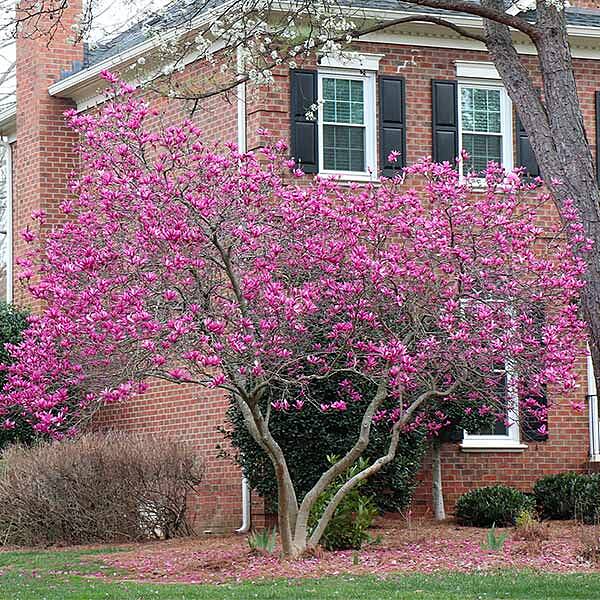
(352, 60)
(470, 69)
(420, 38)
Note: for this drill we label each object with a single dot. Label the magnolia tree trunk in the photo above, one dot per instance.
(436, 486)
(293, 516)
(556, 131)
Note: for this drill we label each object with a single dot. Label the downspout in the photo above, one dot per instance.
(246, 506)
(9, 218)
(593, 410)
(242, 147)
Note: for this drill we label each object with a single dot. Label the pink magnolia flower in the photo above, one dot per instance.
(191, 261)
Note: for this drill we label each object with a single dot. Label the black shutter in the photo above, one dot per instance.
(531, 425)
(444, 95)
(598, 137)
(525, 155)
(304, 142)
(392, 123)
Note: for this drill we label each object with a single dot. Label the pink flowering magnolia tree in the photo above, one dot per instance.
(203, 265)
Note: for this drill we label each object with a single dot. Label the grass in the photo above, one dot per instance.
(62, 576)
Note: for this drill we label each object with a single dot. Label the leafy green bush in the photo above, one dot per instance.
(348, 528)
(13, 322)
(587, 499)
(556, 495)
(308, 436)
(494, 505)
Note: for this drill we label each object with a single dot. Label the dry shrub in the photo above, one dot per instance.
(97, 488)
(529, 528)
(590, 543)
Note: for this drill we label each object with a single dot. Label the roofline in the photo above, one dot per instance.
(64, 87)
(69, 86)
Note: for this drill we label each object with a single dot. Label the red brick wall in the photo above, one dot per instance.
(567, 449)
(45, 158)
(41, 169)
(183, 412)
(191, 415)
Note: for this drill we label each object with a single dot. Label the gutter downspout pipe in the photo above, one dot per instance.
(242, 147)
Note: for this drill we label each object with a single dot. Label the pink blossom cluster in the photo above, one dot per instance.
(199, 263)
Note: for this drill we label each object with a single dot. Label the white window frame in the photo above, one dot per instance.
(506, 118)
(369, 81)
(511, 441)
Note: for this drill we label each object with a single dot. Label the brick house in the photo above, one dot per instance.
(415, 88)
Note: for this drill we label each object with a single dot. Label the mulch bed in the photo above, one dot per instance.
(422, 547)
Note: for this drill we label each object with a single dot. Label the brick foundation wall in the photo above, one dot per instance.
(188, 414)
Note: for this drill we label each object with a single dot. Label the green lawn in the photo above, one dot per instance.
(61, 576)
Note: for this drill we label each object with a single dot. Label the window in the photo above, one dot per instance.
(499, 436)
(347, 124)
(485, 126)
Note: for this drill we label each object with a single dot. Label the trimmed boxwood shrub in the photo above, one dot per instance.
(556, 495)
(497, 504)
(587, 500)
(309, 436)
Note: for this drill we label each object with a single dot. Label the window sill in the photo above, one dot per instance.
(349, 177)
(491, 446)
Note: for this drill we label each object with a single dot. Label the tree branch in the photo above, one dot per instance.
(485, 12)
(377, 465)
(420, 19)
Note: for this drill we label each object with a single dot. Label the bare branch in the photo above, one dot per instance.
(420, 19)
(485, 12)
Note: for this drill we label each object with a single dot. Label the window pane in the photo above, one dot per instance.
(494, 122)
(329, 89)
(343, 148)
(482, 149)
(493, 100)
(468, 121)
(466, 96)
(356, 91)
(480, 100)
(343, 101)
(480, 110)
(342, 90)
(495, 427)
(342, 112)
(358, 110)
(328, 111)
